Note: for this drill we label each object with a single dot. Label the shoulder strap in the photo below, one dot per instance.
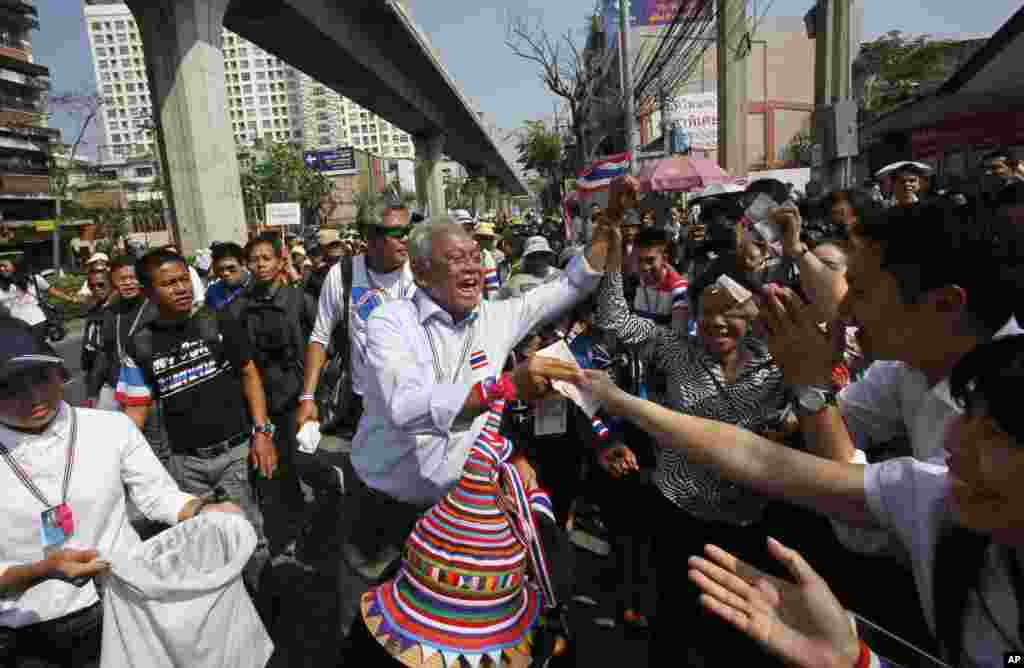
(340, 334)
(140, 348)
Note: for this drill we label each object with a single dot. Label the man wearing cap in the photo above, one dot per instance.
(96, 262)
(537, 269)
(65, 476)
(433, 363)
(485, 237)
(330, 250)
(353, 289)
(906, 185)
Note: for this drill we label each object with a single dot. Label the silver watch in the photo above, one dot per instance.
(811, 400)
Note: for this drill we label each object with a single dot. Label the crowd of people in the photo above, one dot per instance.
(813, 399)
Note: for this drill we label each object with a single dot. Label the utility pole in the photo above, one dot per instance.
(627, 79)
(733, 103)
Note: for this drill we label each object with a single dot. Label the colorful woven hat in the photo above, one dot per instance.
(463, 592)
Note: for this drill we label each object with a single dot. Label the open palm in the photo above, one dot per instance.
(799, 621)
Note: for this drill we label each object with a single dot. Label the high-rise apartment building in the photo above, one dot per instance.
(267, 99)
(26, 205)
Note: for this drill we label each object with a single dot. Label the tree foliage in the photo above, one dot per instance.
(283, 170)
(900, 67)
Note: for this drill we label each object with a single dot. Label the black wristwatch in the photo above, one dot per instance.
(812, 399)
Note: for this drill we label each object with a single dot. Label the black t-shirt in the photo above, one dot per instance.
(200, 390)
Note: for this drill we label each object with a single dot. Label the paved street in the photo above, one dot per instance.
(304, 606)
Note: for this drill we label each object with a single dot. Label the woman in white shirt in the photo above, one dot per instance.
(62, 510)
(20, 293)
(962, 524)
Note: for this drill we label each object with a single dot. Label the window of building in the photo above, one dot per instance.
(247, 89)
(249, 101)
(261, 75)
(121, 37)
(110, 39)
(102, 64)
(124, 125)
(124, 50)
(242, 51)
(115, 138)
(318, 90)
(261, 88)
(95, 26)
(293, 84)
(324, 127)
(244, 64)
(252, 125)
(101, 51)
(322, 115)
(267, 123)
(260, 62)
(246, 77)
(320, 104)
(129, 87)
(106, 76)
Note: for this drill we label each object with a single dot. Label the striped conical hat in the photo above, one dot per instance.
(462, 593)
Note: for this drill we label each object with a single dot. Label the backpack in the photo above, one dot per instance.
(278, 337)
(334, 398)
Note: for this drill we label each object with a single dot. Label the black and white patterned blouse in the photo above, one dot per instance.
(755, 401)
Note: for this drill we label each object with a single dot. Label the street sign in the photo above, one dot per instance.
(337, 160)
(284, 213)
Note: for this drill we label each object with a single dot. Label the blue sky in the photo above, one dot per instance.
(469, 34)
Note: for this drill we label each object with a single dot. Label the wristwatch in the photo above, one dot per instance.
(267, 428)
(811, 400)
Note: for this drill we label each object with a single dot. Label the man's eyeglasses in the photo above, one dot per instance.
(382, 232)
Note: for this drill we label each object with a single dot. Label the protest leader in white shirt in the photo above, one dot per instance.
(65, 475)
(429, 361)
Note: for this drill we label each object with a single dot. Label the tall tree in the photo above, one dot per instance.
(575, 74)
(540, 151)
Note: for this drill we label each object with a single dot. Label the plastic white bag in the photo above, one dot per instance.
(178, 600)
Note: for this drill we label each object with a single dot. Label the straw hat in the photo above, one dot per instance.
(328, 237)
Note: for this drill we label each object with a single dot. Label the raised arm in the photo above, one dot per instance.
(825, 287)
(828, 487)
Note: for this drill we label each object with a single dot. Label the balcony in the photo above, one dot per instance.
(24, 104)
(25, 185)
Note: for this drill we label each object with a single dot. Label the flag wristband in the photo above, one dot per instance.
(493, 389)
(864, 659)
(306, 397)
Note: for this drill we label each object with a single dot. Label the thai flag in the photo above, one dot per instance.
(600, 174)
(478, 360)
(491, 279)
(599, 428)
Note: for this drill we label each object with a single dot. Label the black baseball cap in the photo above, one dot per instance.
(21, 349)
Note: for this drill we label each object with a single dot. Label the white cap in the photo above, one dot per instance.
(98, 257)
(537, 245)
(461, 216)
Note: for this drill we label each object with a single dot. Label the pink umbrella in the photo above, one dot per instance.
(681, 173)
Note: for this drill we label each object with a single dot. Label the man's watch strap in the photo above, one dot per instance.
(265, 428)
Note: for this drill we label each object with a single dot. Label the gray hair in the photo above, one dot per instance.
(421, 240)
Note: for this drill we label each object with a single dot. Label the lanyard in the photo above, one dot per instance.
(117, 328)
(402, 287)
(438, 369)
(69, 463)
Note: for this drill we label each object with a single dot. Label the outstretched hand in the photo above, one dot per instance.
(800, 621)
(533, 377)
(799, 347)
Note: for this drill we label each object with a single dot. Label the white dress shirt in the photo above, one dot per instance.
(111, 455)
(369, 290)
(911, 499)
(409, 444)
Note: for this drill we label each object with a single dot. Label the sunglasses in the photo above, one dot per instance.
(382, 232)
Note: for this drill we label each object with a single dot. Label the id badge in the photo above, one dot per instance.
(57, 526)
(552, 417)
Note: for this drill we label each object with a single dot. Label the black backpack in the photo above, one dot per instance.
(334, 398)
(278, 337)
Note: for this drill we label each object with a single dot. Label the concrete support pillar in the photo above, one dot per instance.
(479, 180)
(429, 180)
(182, 44)
(733, 98)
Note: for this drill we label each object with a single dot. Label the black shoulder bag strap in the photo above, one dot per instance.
(342, 342)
